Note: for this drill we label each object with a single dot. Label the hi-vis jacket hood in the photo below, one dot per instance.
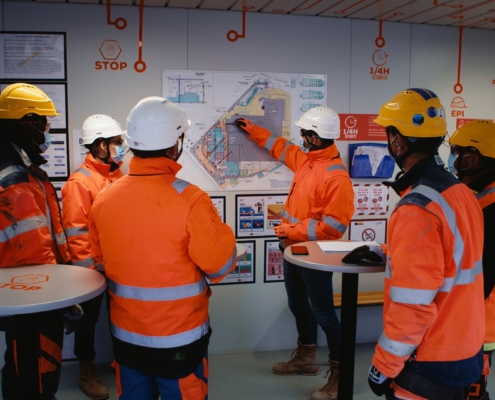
(160, 238)
(78, 195)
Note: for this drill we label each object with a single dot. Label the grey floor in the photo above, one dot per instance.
(244, 377)
(248, 377)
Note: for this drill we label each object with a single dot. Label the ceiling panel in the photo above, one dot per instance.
(217, 4)
(458, 17)
(179, 3)
(251, 5)
(381, 10)
(281, 6)
(441, 10)
(467, 13)
(346, 7)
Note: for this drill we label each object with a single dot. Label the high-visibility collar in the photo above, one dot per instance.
(329, 153)
(102, 168)
(153, 166)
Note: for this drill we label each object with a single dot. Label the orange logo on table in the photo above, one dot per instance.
(25, 282)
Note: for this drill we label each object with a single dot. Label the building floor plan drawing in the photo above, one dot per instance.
(218, 155)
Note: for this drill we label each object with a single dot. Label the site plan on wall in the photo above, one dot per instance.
(217, 154)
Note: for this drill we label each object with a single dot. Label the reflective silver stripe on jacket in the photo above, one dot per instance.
(336, 167)
(396, 348)
(436, 197)
(412, 296)
(284, 151)
(226, 268)
(60, 238)
(312, 229)
(180, 185)
(271, 141)
(332, 222)
(87, 262)
(157, 294)
(462, 277)
(79, 230)
(11, 169)
(84, 171)
(21, 227)
(179, 339)
(484, 193)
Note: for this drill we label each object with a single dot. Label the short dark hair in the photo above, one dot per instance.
(149, 153)
(421, 145)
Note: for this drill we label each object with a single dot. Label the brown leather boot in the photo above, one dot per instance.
(89, 384)
(303, 361)
(330, 390)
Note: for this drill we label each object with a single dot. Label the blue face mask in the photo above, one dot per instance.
(301, 144)
(120, 152)
(48, 141)
(452, 159)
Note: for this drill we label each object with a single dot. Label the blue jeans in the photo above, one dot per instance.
(310, 295)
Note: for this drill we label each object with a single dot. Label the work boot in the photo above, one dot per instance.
(88, 382)
(330, 390)
(303, 361)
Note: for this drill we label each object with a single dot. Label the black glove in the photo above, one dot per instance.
(374, 254)
(74, 318)
(244, 124)
(379, 383)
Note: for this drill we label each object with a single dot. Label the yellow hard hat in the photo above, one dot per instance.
(479, 134)
(20, 99)
(415, 113)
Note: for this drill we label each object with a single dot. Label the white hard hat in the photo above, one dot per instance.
(155, 123)
(99, 126)
(323, 120)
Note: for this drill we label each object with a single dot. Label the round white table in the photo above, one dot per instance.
(332, 262)
(27, 290)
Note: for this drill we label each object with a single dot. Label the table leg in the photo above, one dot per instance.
(27, 351)
(348, 316)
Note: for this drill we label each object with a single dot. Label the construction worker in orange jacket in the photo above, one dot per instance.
(319, 206)
(160, 238)
(102, 136)
(433, 314)
(473, 157)
(31, 230)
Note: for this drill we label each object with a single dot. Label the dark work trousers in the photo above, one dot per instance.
(50, 327)
(423, 387)
(84, 341)
(310, 296)
(478, 389)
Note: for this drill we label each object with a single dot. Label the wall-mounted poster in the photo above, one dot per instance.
(256, 215)
(244, 272)
(57, 156)
(219, 203)
(32, 56)
(368, 230)
(370, 199)
(274, 270)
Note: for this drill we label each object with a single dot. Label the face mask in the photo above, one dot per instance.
(120, 152)
(451, 162)
(301, 144)
(48, 141)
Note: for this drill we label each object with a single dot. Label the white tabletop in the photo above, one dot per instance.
(328, 261)
(36, 288)
(241, 251)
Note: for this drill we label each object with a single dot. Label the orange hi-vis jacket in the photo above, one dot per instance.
(160, 237)
(31, 229)
(320, 203)
(433, 311)
(78, 194)
(487, 198)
